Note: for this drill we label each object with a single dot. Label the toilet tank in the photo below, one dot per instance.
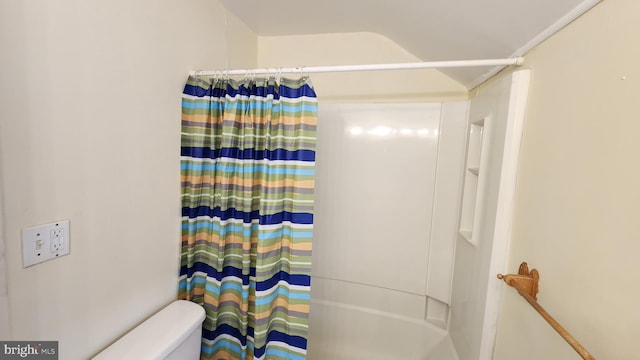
(174, 333)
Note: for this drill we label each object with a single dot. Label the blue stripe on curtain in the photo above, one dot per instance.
(221, 92)
(244, 154)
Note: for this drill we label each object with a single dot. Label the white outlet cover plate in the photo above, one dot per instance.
(45, 242)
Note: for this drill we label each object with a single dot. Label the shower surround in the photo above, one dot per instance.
(387, 202)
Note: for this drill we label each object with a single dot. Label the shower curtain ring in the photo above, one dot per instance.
(279, 75)
(301, 71)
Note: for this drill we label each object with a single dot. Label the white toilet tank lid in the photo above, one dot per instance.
(159, 335)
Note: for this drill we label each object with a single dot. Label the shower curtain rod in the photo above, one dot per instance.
(366, 67)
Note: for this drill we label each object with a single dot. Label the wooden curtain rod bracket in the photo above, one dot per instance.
(525, 281)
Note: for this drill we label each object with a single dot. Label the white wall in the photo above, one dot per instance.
(353, 49)
(90, 131)
(577, 202)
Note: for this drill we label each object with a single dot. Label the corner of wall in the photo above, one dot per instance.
(242, 43)
(359, 48)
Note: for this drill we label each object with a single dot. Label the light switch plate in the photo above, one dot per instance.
(44, 242)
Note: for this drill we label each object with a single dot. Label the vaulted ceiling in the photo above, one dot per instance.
(432, 30)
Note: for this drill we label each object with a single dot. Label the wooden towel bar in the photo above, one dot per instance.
(526, 283)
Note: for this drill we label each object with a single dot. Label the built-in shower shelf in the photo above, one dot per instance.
(472, 179)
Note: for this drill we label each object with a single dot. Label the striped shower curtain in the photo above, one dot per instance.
(247, 173)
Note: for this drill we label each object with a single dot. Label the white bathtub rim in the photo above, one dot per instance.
(418, 322)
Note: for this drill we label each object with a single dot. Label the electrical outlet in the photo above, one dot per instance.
(44, 242)
(57, 239)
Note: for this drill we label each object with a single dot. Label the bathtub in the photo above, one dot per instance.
(340, 331)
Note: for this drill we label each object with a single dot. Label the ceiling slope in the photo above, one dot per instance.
(433, 30)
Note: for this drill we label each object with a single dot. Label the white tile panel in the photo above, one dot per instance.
(375, 179)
